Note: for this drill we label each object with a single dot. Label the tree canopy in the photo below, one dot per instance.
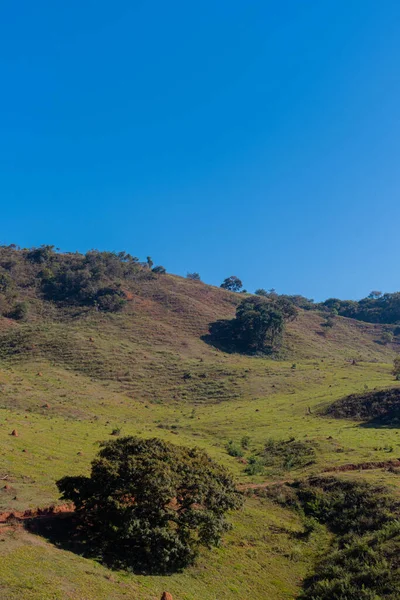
(257, 327)
(149, 505)
(232, 283)
(259, 323)
(194, 276)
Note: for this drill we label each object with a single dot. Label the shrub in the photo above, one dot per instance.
(6, 283)
(159, 270)
(41, 254)
(193, 276)
(245, 442)
(387, 337)
(110, 300)
(255, 466)
(363, 559)
(149, 505)
(234, 449)
(19, 312)
(287, 454)
(396, 366)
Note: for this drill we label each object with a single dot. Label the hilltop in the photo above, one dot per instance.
(84, 357)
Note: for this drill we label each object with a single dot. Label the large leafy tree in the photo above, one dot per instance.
(232, 283)
(150, 505)
(259, 324)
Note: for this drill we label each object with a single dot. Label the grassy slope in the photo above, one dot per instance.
(148, 372)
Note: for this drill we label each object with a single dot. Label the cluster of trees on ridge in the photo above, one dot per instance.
(96, 279)
(377, 307)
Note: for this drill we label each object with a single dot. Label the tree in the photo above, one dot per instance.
(41, 254)
(193, 276)
(159, 269)
(6, 282)
(374, 295)
(232, 283)
(387, 337)
(150, 505)
(261, 292)
(149, 262)
(259, 324)
(396, 367)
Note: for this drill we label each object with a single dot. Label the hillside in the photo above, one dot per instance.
(71, 374)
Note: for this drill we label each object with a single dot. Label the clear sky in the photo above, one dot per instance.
(254, 138)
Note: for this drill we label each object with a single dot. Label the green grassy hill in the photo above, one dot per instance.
(71, 376)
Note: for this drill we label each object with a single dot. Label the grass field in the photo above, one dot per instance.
(67, 381)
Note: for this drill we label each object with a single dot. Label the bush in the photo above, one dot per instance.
(149, 505)
(193, 276)
(287, 454)
(396, 366)
(110, 300)
(159, 270)
(6, 283)
(387, 337)
(363, 558)
(255, 466)
(19, 312)
(234, 449)
(245, 442)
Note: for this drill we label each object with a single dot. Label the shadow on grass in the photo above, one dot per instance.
(389, 421)
(220, 336)
(63, 531)
(223, 336)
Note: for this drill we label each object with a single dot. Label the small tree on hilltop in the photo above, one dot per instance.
(374, 295)
(159, 269)
(193, 276)
(150, 505)
(149, 262)
(232, 283)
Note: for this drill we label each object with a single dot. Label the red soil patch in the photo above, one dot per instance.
(17, 516)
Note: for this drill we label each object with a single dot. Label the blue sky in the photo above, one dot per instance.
(260, 139)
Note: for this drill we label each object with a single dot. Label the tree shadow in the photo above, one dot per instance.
(388, 421)
(61, 530)
(64, 532)
(221, 335)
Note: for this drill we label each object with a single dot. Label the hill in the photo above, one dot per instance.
(76, 369)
